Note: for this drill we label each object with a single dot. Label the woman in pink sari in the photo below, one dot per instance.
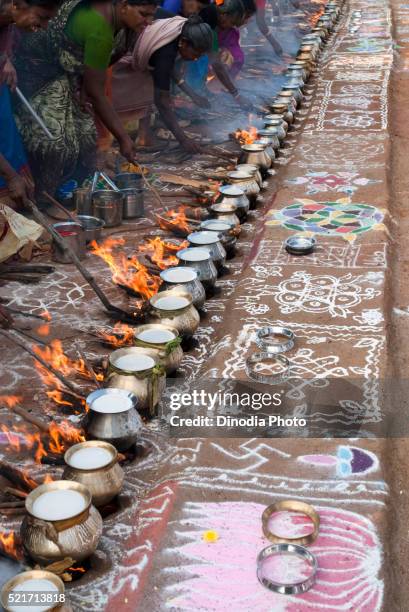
(144, 77)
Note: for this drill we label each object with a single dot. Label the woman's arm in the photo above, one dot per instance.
(226, 81)
(163, 103)
(19, 189)
(94, 87)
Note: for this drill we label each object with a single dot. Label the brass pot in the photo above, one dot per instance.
(23, 577)
(212, 242)
(224, 230)
(295, 91)
(184, 318)
(199, 260)
(255, 154)
(147, 383)
(296, 72)
(47, 541)
(253, 170)
(104, 482)
(169, 352)
(287, 99)
(232, 194)
(246, 182)
(271, 135)
(276, 121)
(227, 213)
(184, 278)
(120, 428)
(283, 110)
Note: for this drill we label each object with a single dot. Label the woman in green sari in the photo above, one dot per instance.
(63, 73)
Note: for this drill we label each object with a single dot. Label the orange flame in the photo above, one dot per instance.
(246, 136)
(122, 335)
(61, 435)
(176, 217)
(55, 356)
(43, 330)
(10, 400)
(10, 545)
(162, 253)
(46, 315)
(128, 272)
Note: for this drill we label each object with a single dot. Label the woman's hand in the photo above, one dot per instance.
(200, 101)
(127, 148)
(19, 189)
(243, 103)
(191, 146)
(9, 75)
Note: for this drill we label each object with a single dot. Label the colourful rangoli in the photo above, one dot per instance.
(338, 218)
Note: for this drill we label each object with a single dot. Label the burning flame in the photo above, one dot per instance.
(10, 545)
(128, 272)
(246, 136)
(60, 435)
(162, 253)
(10, 400)
(122, 335)
(43, 330)
(46, 315)
(176, 217)
(55, 356)
(314, 18)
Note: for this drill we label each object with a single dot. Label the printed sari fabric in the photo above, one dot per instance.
(11, 146)
(50, 69)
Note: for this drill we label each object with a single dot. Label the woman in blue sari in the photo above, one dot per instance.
(27, 15)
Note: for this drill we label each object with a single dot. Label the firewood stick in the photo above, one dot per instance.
(41, 219)
(89, 368)
(24, 314)
(13, 511)
(27, 334)
(60, 207)
(16, 492)
(74, 390)
(30, 418)
(17, 476)
(58, 567)
(17, 504)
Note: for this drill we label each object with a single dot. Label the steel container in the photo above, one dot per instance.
(278, 122)
(129, 180)
(73, 235)
(147, 384)
(271, 134)
(133, 203)
(232, 194)
(92, 227)
(256, 155)
(227, 213)
(82, 197)
(201, 261)
(185, 319)
(224, 230)
(253, 170)
(170, 352)
(187, 279)
(108, 206)
(212, 242)
(247, 182)
(121, 429)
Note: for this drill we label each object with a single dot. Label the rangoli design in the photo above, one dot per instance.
(339, 217)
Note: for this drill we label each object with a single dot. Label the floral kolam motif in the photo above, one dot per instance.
(338, 218)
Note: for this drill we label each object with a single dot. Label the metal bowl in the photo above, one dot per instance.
(20, 579)
(92, 227)
(300, 245)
